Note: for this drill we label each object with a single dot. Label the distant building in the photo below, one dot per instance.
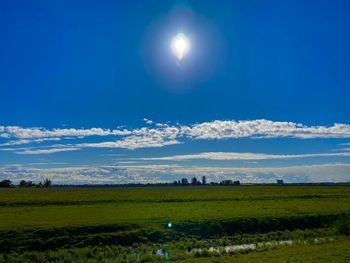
(280, 182)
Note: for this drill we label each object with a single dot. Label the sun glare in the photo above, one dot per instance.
(180, 45)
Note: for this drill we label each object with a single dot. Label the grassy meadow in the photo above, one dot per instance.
(123, 224)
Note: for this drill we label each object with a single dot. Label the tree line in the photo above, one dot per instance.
(8, 183)
(194, 181)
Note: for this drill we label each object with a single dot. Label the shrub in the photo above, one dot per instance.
(342, 226)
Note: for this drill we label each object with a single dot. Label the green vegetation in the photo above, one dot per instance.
(112, 224)
(8, 183)
(342, 226)
(338, 251)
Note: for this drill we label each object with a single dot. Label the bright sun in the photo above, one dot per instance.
(180, 45)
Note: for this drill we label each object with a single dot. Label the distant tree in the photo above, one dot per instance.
(194, 181)
(29, 184)
(6, 183)
(226, 182)
(236, 183)
(22, 183)
(175, 183)
(184, 181)
(47, 182)
(204, 180)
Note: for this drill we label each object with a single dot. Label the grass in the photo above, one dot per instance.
(161, 213)
(47, 208)
(34, 222)
(51, 196)
(337, 251)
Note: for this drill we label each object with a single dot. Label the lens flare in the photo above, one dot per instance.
(180, 45)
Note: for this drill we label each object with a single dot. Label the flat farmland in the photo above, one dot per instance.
(74, 221)
(59, 207)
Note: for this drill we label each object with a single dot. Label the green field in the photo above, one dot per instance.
(336, 252)
(34, 220)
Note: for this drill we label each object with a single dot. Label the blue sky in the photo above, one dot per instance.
(90, 91)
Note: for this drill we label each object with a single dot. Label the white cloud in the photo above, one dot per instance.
(35, 133)
(230, 156)
(15, 142)
(160, 135)
(263, 129)
(46, 139)
(149, 122)
(74, 175)
(330, 172)
(345, 149)
(133, 142)
(207, 130)
(26, 141)
(48, 151)
(130, 142)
